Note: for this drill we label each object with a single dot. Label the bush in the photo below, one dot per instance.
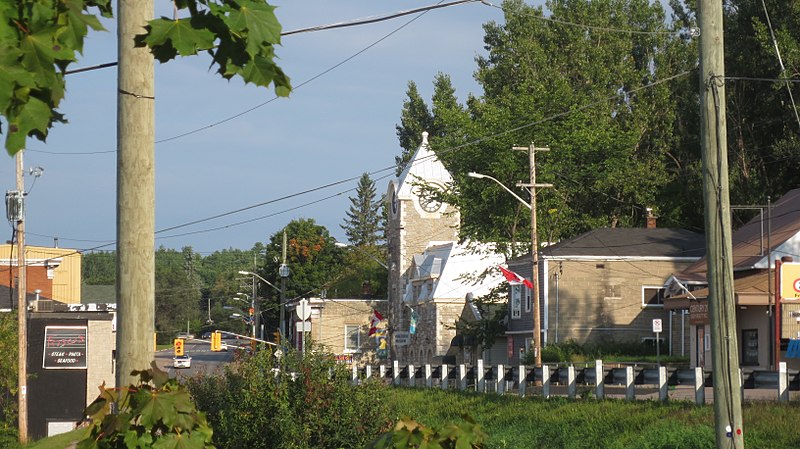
(296, 401)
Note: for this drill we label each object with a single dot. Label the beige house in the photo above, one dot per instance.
(604, 286)
(341, 325)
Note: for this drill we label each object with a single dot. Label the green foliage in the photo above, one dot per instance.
(571, 352)
(8, 376)
(177, 295)
(158, 413)
(239, 35)
(314, 260)
(493, 308)
(363, 223)
(409, 434)
(39, 39)
(254, 407)
(99, 268)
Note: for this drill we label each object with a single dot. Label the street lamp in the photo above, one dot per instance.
(280, 290)
(472, 174)
(537, 327)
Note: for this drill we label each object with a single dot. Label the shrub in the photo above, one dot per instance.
(408, 434)
(157, 413)
(298, 401)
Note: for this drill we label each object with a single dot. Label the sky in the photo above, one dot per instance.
(223, 148)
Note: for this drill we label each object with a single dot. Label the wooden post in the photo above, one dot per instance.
(783, 383)
(368, 371)
(663, 388)
(462, 377)
(545, 381)
(501, 379)
(599, 389)
(445, 379)
(630, 389)
(135, 194)
(480, 383)
(572, 388)
(522, 376)
(719, 252)
(699, 386)
(412, 376)
(428, 377)
(382, 371)
(396, 372)
(22, 310)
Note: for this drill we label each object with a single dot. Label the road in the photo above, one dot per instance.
(203, 359)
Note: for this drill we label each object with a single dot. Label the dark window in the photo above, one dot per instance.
(653, 296)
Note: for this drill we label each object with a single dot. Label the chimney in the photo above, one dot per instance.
(651, 219)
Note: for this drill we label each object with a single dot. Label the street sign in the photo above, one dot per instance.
(402, 338)
(790, 281)
(303, 309)
(657, 327)
(303, 326)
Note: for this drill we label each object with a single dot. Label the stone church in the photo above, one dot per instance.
(430, 273)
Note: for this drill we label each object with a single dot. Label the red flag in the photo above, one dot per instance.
(373, 321)
(514, 277)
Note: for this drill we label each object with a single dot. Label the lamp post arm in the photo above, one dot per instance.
(250, 273)
(480, 175)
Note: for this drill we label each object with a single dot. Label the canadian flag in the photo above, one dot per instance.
(514, 277)
(373, 321)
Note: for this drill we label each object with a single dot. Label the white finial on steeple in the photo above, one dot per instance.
(424, 137)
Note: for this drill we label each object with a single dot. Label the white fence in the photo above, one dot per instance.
(615, 380)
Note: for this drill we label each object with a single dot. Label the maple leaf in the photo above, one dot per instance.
(258, 21)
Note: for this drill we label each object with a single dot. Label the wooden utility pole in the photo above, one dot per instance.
(719, 252)
(135, 194)
(537, 320)
(22, 308)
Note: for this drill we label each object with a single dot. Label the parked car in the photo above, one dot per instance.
(182, 361)
(206, 335)
(185, 335)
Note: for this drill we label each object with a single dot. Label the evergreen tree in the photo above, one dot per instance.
(414, 119)
(363, 223)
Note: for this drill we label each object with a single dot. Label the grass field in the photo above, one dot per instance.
(523, 423)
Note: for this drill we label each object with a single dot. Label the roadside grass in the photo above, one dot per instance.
(559, 423)
(61, 441)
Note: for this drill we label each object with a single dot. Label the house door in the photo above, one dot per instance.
(699, 345)
(749, 347)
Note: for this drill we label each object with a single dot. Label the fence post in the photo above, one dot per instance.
(480, 383)
(546, 381)
(572, 388)
(462, 377)
(522, 375)
(412, 376)
(699, 386)
(783, 383)
(445, 375)
(663, 389)
(630, 389)
(501, 379)
(428, 378)
(368, 372)
(599, 387)
(382, 371)
(396, 372)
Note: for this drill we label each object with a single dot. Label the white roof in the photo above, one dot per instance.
(423, 166)
(459, 269)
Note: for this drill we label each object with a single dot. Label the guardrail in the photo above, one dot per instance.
(566, 380)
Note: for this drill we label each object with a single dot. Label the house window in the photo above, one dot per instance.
(653, 296)
(528, 301)
(352, 338)
(516, 301)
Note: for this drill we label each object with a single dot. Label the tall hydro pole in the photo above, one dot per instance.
(135, 194)
(719, 252)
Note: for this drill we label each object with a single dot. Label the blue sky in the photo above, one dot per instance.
(333, 128)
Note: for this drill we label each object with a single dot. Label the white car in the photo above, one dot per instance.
(182, 361)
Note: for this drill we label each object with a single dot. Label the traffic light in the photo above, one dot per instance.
(253, 345)
(177, 344)
(216, 341)
(277, 335)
